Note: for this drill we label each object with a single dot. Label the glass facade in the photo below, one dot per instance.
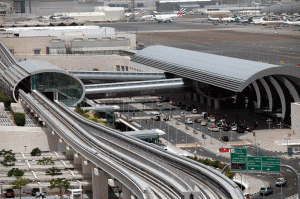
(68, 88)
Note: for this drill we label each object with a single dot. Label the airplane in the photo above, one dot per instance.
(295, 22)
(128, 14)
(228, 19)
(240, 20)
(213, 19)
(262, 21)
(168, 17)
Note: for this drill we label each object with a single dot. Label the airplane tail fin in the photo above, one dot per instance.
(181, 12)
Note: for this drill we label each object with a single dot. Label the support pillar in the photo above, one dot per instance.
(86, 167)
(78, 160)
(201, 99)
(126, 193)
(195, 97)
(69, 153)
(217, 104)
(208, 102)
(100, 184)
(61, 145)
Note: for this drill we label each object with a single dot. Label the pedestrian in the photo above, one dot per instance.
(146, 121)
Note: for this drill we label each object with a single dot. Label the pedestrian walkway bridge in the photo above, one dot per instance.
(117, 75)
(135, 88)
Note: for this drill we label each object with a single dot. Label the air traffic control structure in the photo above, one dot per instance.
(219, 79)
(39, 75)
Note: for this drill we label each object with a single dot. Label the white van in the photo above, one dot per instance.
(154, 114)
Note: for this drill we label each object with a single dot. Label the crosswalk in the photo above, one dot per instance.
(188, 145)
(238, 143)
(174, 117)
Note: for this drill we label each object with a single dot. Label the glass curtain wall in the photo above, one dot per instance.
(68, 88)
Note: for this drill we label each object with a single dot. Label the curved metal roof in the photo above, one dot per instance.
(224, 72)
(33, 67)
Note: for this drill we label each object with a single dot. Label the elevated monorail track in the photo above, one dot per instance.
(146, 169)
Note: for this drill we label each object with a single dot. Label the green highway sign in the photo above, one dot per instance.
(254, 163)
(270, 164)
(238, 159)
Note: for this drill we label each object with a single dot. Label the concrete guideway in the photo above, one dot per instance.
(230, 187)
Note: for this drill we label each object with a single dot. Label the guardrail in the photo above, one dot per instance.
(89, 153)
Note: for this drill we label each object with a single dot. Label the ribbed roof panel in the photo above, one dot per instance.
(225, 72)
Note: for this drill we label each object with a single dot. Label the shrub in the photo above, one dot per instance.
(19, 119)
(53, 171)
(15, 172)
(7, 101)
(36, 152)
(46, 161)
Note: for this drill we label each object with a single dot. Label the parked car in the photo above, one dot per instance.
(247, 195)
(204, 115)
(9, 193)
(234, 128)
(213, 128)
(198, 120)
(183, 106)
(158, 104)
(34, 191)
(189, 121)
(203, 123)
(166, 99)
(130, 119)
(265, 191)
(188, 108)
(280, 182)
(171, 102)
(174, 103)
(226, 128)
(212, 119)
(225, 138)
(194, 111)
(240, 130)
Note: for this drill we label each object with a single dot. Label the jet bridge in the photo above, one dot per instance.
(136, 88)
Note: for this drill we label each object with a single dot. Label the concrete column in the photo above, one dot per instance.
(78, 160)
(217, 104)
(51, 139)
(188, 95)
(126, 193)
(54, 138)
(61, 145)
(195, 97)
(201, 99)
(86, 167)
(208, 102)
(100, 184)
(69, 153)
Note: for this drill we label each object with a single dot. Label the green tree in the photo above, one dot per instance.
(15, 172)
(46, 161)
(9, 159)
(20, 183)
(20, 119)
(36, 152)
(53, 171)
(7, 102)
(60, 183)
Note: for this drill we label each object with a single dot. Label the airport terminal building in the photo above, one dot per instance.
(220, 81)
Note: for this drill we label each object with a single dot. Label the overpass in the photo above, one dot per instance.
(141, 169)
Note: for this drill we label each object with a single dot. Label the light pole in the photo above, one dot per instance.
(176, 141)
(168, 132)
(1, 183)
(25, 148)
(269, 121)
(128, 108)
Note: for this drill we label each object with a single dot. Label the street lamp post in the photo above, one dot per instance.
(269, 121)
(1, 183)
(168, 132)
(25, 148)
(176, 141)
